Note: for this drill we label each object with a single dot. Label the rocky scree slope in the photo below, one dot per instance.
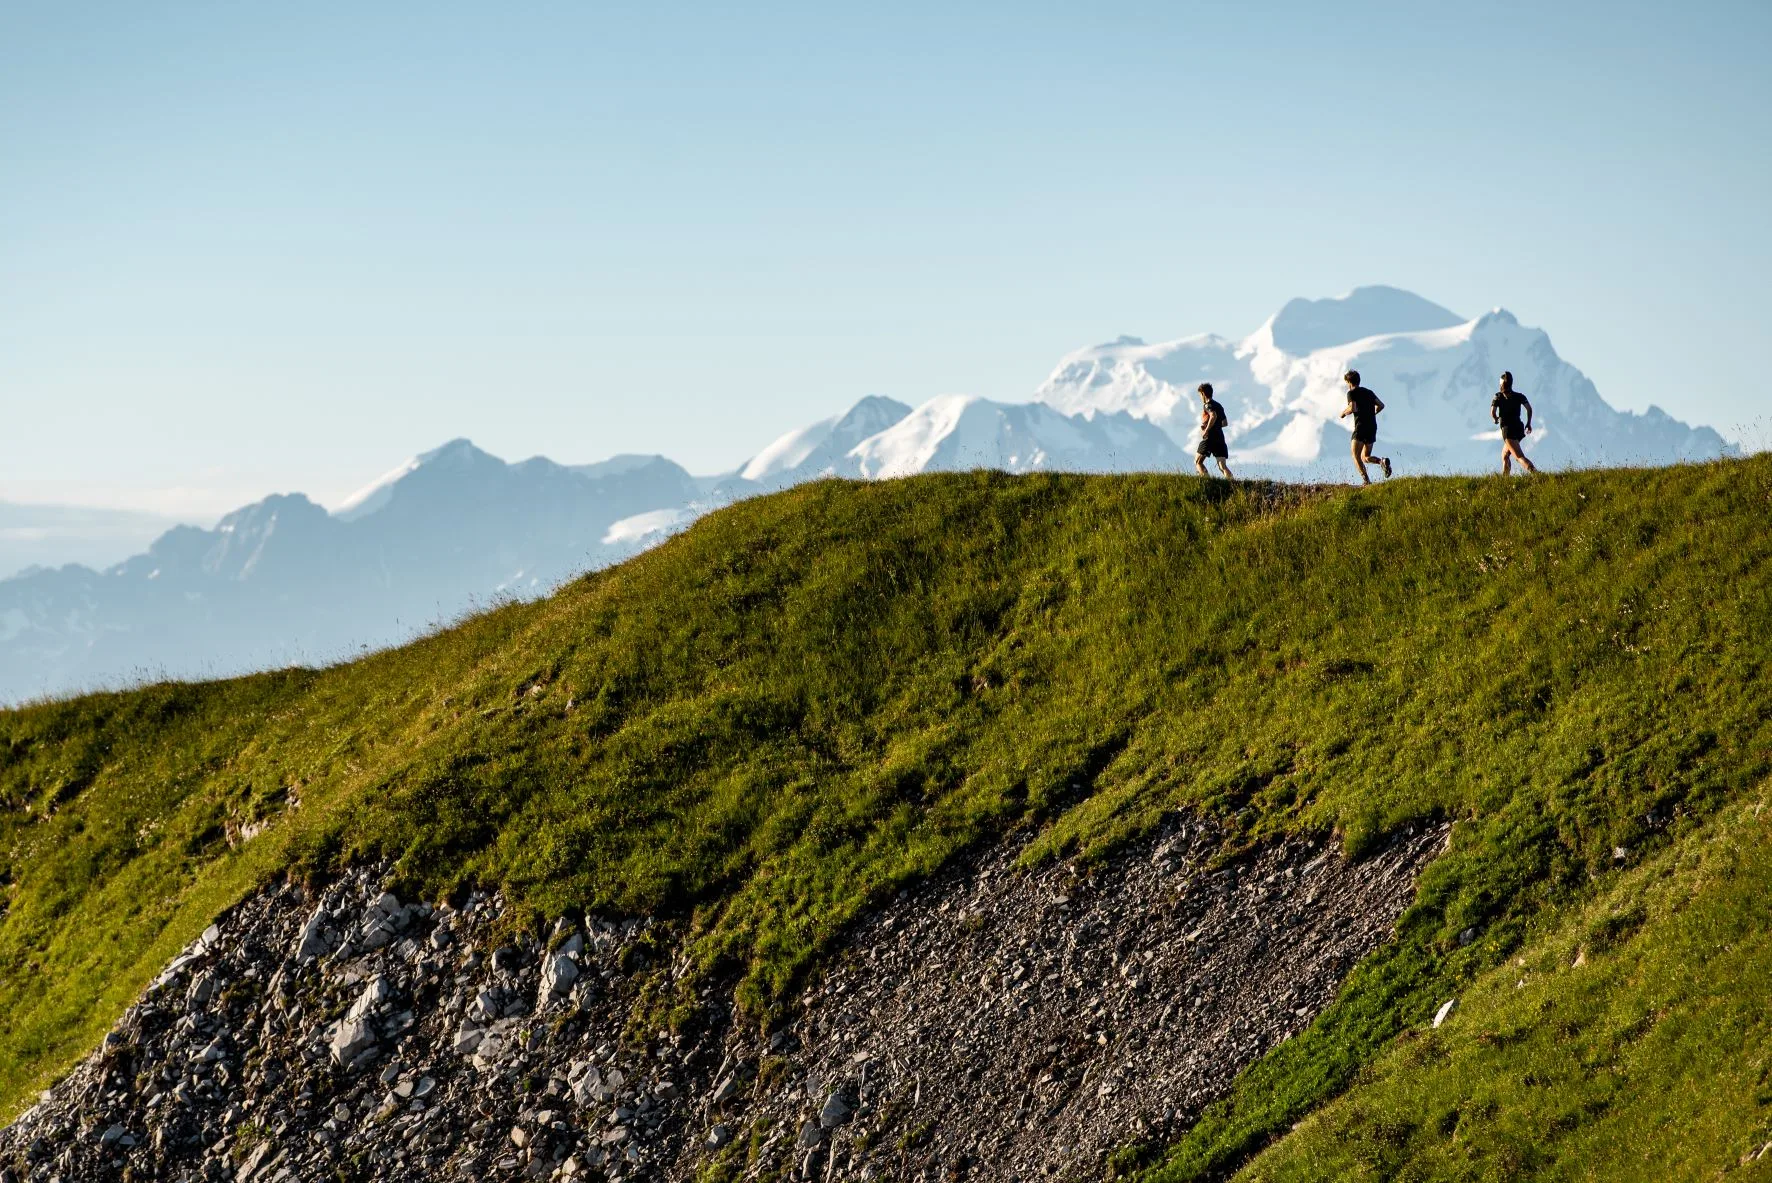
(996, 1024)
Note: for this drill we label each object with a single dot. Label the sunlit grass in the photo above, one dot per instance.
(812, 699)
(1631, 1042)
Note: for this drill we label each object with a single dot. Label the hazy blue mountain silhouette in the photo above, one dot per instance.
(284, 581)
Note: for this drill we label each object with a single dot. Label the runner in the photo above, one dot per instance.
(1364, 406)
(1504, 409)
(1212, 434)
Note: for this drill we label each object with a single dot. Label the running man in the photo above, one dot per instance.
(1364, 406)
(1212, 434)
(1504, 409)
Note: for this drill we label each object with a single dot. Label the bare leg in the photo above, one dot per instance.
(1200, 463)
(1513, 447)
(1360, 461)
(1225, 468)
(1507, 458)
(1363, 456)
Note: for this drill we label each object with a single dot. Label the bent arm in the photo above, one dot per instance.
(1528, 403)
(1377, 404)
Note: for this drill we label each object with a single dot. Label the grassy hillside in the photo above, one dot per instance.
(813, 698)
(1631, 1042)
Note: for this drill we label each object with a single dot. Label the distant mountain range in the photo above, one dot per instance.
(284, 580)
(1282, 391)
(54, 535)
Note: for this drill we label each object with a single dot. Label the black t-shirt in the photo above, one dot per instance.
(1365, 408)
(1509, 404)
(1214, 418)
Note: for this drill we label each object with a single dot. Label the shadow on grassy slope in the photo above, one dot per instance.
(815, 697)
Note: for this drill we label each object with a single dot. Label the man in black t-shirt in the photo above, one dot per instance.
(1212, 434)
(1504, 410)
(1364, 406)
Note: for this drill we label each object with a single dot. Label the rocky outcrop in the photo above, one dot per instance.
(996, 1024)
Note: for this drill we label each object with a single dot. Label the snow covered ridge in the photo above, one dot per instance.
(1282, 391)
(954, 432)
(285, 581)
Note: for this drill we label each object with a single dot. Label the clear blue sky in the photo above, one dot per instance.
(257, 247)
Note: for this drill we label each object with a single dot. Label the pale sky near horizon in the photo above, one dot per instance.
(258, 248)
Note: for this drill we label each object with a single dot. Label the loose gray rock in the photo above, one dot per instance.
(588, 1087)
(352, 1039)
(995, 1023)
(249, 1167)
(558, 973)
(202, 990)
(467, 1038)
(376, 993)
(314, 941)
(836, 1112)
(724, 1091)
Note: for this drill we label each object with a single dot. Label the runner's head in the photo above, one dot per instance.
(1205, 389)
(1507, 380)
(1352, 377)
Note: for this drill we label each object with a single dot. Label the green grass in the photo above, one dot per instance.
(814, 698)
(1649, 1060)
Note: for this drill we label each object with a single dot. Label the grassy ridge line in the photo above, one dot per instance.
(814, 697)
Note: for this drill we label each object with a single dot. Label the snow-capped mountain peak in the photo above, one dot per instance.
(958, 432)
(911, 444)
(458, 453)
(1282, 390)
(620, 465)
(1151, 382)
(1304, 326)
(818, 448)
(375, 494)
